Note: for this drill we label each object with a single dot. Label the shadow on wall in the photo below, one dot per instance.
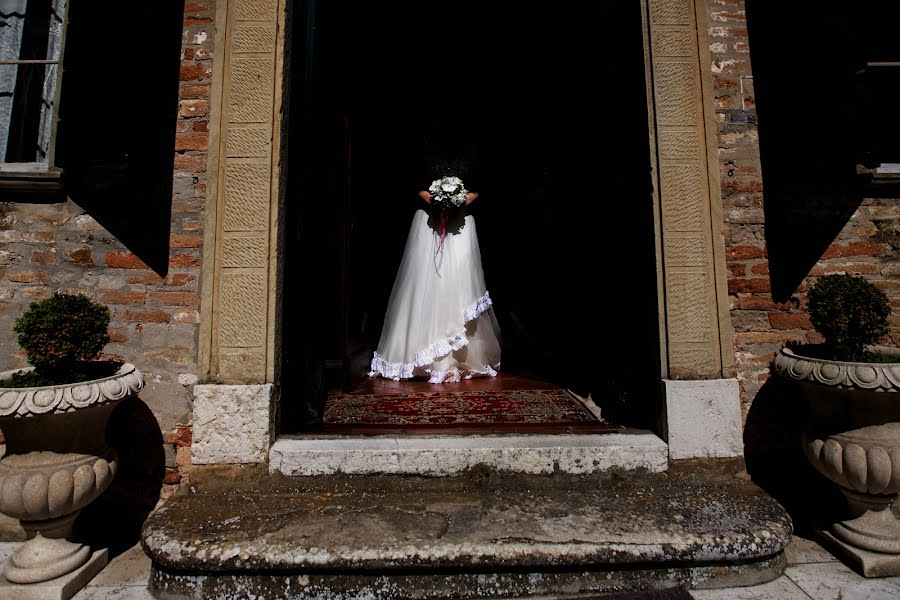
(804, 65)
(774, 456)
(114, 520)
(118, 110)
(814, 129)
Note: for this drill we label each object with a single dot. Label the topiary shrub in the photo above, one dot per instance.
(60, 335)
(850, 313)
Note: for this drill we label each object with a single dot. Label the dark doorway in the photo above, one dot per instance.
(556, 98)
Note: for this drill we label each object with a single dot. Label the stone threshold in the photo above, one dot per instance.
(476, 536)
(445, 455)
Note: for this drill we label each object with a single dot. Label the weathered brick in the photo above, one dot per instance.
(43, 257)
(189, 21)
(193, 7)
(185, 241)
(850, 268)
(11, 236)
(731, 186)
(744, 252)
(190, 72)
(146, 278)
(181, 435)
(783, 320)
(124, 260)
(857, 249)
(147, 316)
(176, 298)
(117, 297)
(80, 256)
(767, 337)
(193, 108)
(26, 276)
(195, 90)
(171, 476)
(185, 142)
(744, 285)
(184, 260)
(183, 315)
(182, 279)
(117, 335)
(32, 293)
(190, 162)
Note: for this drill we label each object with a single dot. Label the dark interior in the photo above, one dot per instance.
(556, 100)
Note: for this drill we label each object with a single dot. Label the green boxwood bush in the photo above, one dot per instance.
(850, 313)
(60, 336)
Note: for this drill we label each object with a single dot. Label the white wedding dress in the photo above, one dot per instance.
(439, 321)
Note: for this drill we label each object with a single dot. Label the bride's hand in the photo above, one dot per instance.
(471, 197)
(425, 196)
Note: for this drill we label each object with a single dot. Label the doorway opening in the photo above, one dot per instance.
(557, 100)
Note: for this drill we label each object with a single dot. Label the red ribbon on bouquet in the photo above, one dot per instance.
(440, 246)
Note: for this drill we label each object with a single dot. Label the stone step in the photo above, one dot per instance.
(453, 454)
(478, 536)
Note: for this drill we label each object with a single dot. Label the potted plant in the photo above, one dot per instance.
(852, 437)
(53, 417)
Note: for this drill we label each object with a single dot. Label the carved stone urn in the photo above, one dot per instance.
(55, 461)
(853, 439)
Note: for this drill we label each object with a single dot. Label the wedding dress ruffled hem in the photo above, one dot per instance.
(437, 350)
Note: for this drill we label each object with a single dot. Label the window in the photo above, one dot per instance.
(878, 84)
(32, 38)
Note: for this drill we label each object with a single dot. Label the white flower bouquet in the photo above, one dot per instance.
(448, 192)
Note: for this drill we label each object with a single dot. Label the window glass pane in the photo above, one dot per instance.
(12, 22)
(30, 30)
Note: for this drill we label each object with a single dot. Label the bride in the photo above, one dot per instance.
(439, 321)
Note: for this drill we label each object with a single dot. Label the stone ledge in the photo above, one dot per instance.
(533, 534)
(450, 455)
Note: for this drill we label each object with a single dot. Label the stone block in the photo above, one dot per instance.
(869, 564)
(703, 419)
(61, 588)
(233, 423)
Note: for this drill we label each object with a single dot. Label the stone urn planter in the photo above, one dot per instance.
(55, 461)
(853, 438)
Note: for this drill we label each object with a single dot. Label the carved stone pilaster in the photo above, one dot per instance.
(240, 263)
(693, 282)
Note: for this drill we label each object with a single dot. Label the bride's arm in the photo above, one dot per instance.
(471, 197)
(425, 196)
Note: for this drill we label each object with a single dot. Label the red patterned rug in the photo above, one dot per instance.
(474, 408)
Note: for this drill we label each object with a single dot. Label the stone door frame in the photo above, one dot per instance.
(243, 249)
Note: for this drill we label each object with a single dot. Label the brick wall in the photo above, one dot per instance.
(859, 239)
(45, 247)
